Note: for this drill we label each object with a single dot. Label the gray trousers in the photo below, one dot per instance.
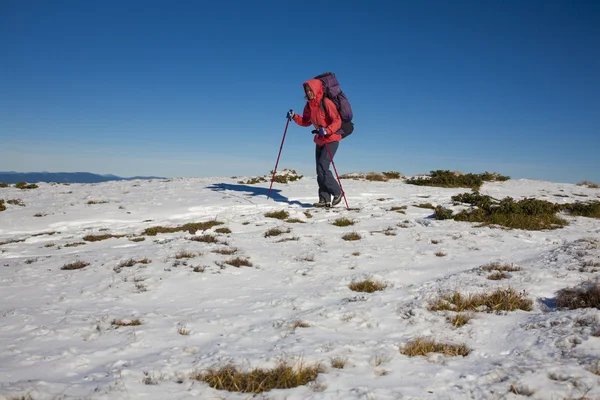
(328, 186)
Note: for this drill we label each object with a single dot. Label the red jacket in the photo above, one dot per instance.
(314, 115)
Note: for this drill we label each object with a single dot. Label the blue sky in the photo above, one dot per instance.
(199, 88)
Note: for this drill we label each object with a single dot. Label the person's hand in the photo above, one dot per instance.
(290, 114)
(322, 132)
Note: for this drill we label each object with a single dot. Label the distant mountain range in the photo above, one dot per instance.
(64, 177)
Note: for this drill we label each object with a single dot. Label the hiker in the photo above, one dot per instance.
(327, 122)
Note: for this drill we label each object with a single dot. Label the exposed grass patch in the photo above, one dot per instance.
(50, 245)
(2, 206)
(12, 241)
(425, 205)
(433, 241)
(585, 296)
(125, 322)
(3, 184)
(75, 265)
(239, 262)
(589, 209)
(130, 263)
(208, 238)
(294, 221)
(339, 362)
(15, 202)
(422, 347)
(367, 286)
(459, 319)
(25, 185)
(499, 300)
(300, 324)
(97, 238)
(289, 239)
(253, 181)
(276, 232)
(375, 177)
(496, 276)
(440, 254)
(277, 214)
(356, 253)
(527, 214)
(399, 209)
(284, 376)
(75, 244)
(342, 222)
(286, 176)
(307, 214)
(137, 239)
(39, 215)
(223, 230)
(97, 202)
(392, 175)
(191, 228)
(445, 178)
(352, 236)
(185, 254)
(589, 184)
(442, 213)
(226, 252)
(496, 266)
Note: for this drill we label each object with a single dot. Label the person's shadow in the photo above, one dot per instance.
(256, 191)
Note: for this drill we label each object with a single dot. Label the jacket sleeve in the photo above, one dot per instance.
(336, 120)
(304, 120)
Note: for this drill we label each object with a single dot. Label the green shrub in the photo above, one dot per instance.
(25, 185)
(2, 206)
(445, 178)
(590, 210)
(442, 213)
(3, 185)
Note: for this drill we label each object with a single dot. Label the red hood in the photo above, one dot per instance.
(317, 88)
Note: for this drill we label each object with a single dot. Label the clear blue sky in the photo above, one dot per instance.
(201, 88)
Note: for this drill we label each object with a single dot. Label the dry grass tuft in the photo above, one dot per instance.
(500, 300)
(351, 236)
(191, 228)
(589, 184)
(75, 265)
(277, 214)
(422, 347)
(239, 262)
(440, 254)
(97, 202)
(496, 276)
(425, 205)
(183, 331)
(399, 209)
(125, 322)
(226, 252)
(185, 254)
(307, 214)
(276, 232)
(585, 296)
(75, 244)
(223, 230)
(339, 362)
(375, 177)
(393, 175)
(294, 221)
(460, 319)
(367, 286)
(205, 239)
(356, 253)
(342, 222)
(97, 238)
(300, 324)
(500, 267)
(137, 239)
(258, 380)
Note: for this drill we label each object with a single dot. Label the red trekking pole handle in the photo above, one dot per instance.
(337, 176)
(279, 155)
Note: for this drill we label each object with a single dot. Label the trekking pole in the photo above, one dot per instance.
(277, 162)
(336, 175)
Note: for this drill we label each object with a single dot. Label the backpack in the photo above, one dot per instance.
(332, 90)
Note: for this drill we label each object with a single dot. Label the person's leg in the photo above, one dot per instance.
(328, 182)
(324, 196)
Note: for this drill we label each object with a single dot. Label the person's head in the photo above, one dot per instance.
(309, 92)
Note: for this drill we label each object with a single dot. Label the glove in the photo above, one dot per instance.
(322, 132)
(290, 114)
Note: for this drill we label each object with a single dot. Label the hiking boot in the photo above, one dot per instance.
(321, 204)
(336, 200)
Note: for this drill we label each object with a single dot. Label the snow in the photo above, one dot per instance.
(57, 340)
